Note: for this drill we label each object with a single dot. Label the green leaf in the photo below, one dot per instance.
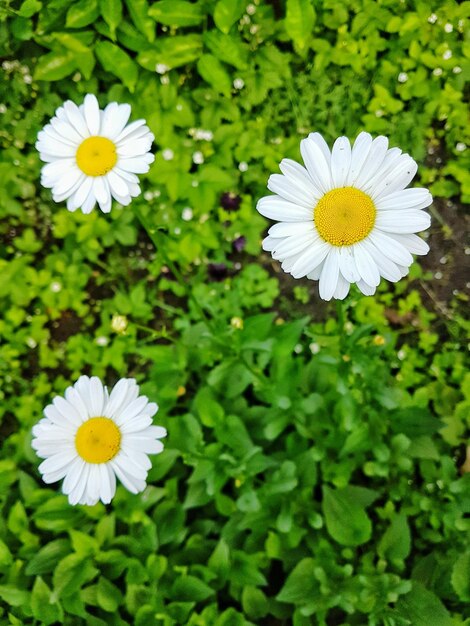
(29, 8)
(108, 595)
(116, 61)
(227, 12)
(190, 589)
(301, 585)
(43, 609)
(71, 573)
(227, 48)
(299, 22)
(395, 544)
(461, 577)
(82, 13)
(55, 65)
(176, 13)
(423, 608)
(14, 596)
(47, 558)
(111, 12)
(171, 51)
(346, 519)
(214, 73)
(139, 12)
(254, 602)
(6, 558)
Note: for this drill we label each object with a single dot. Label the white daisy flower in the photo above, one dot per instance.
(90, 437)
(92, 156)
(346, 216)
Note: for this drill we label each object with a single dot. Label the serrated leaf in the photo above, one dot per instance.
(214, 73)
(346, 519)
(116, 61)
(82, 13)
(176, 13)
(227, 12)
(299, 22)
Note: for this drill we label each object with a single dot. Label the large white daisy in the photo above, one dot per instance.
(90, 437)
(92, 156)
(346, 216)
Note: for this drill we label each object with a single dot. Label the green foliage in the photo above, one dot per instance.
(311, 472)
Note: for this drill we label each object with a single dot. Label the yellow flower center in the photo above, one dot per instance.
(344, 216)
(98, 440)
(96, 156)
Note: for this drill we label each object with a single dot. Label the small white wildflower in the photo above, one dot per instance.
(437, 71)
(239, 83)
(298, 348)
(447, 55)
(3, 108)
(457, 69)
(168, 154)
(119, 324)
(254, 28)
(438, 275)
(31, 343)
(102, 341)
(251, 9)
(198, 157)
(165, 79)
(56, 287)
(161, 68)
(402, 77)
(177, 231)
(314, 348)
(461, 147)
(443, 260)
(243, 166)
(448, 27)
(401, 354)
(179, 107)
(432, 19)
(379, 113)
(148, 195)
(187, 214)
(28, 79)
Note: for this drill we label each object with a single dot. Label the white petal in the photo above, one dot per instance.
(91, 110)
(391, 248)
(131, 128)
(74, 473)
(115, 120)
(66, 131)
(397, 179)
(329, 275)
(413, 243)
(367, 290)
(59, 461)
(284, 187)
(67, 410)
(317, 139)
(89, 204)
(136, 424)
(405, 221)
(342, 288)
(79, 490)
(82, 192)
(134, 147)
(96, 392)
(340, 161)
(100, 189)
(366, 265)
(299, 176)
(317, 165)
(130, 482)
(76, 119)
(310, 259)
(347, 264)
(68, 181)
(133, 450)
(277, 208)
(373, 161)
(105, 493)
(359, 155)
(413, 198)
(293, 245)
(387, 268)
(118, 186)
(287, 229)
(56, 148)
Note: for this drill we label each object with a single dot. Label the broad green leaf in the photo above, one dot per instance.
(423, 608)
(171, 51)
(301, 585)
(14, 596)
(108, 595)
(111, 11)
(461, 577)
(43, 609)
(190, 589)
(71, 573)
(6, 557)
(47, 558)
(254, 602)
(82, 13)
(29, 8)
(176, 13)
(395, 544)
(219, 561)
(55, 65)
(227, 12)
(299, 22)
(227, 48)
(213, 72)
(116, 61)
(139, 12)
(346, 519)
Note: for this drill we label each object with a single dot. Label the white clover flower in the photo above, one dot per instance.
(187, 214)
(90, 437)
(432, 19)
(239, 83)
(402, 77)
(198, 157)
(447, 55)
(448, 27)
(92, 156)
(168, 154)
(346, 216)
